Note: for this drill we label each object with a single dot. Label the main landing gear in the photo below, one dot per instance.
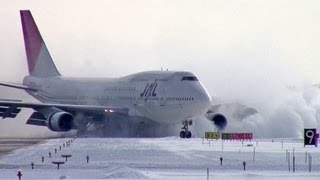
(186, 133)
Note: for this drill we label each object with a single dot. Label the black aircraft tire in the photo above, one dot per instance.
(188, 135)
(183, 134)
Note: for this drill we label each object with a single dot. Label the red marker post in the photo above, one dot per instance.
(66, 156)
(87, 159)
(19, 175)
(58, 163)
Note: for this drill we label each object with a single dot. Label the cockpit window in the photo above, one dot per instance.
(189, 78)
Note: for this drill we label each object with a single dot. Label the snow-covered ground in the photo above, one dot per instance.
(162, 158)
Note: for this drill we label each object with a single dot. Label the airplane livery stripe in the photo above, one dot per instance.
(32, 38)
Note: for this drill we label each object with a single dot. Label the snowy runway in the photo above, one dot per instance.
(162, 158)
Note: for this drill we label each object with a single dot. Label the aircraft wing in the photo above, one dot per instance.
(10, 108)
(238, 111)
(17, 86)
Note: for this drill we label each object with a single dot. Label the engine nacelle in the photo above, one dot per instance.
(217, 119)
(60, 121)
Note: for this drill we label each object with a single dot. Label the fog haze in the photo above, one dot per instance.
(247, 52)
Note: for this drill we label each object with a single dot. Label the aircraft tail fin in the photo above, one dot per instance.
(40, 63)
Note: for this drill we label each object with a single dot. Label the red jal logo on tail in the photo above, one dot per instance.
(149, 90)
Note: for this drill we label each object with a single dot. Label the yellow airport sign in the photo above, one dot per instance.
(212, 135)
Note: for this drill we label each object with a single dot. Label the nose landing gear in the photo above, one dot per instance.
(186, 133)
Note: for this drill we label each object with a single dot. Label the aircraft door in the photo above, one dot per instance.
(162, 98)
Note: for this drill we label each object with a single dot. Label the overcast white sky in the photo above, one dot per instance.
(237, 45)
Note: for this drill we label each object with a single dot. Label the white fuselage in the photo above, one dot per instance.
(161, 96)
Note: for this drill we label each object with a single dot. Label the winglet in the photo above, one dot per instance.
(40, 63)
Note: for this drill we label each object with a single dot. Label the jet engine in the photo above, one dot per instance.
(217, 119)
(54, 118)
(60, 121)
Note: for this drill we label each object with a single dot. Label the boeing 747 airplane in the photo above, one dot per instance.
(164, 97)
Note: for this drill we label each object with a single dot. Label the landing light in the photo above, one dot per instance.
(108, 110)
